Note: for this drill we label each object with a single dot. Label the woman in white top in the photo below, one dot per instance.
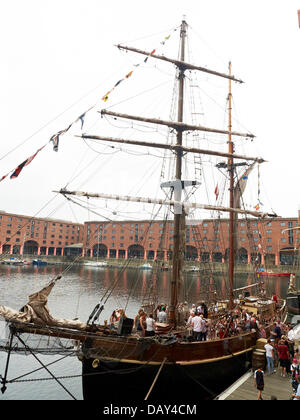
(270, 357)
(150, 326)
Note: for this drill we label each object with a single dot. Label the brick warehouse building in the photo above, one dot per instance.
(38, 236)
(207, 240)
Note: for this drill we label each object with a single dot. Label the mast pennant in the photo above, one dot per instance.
(241, 186)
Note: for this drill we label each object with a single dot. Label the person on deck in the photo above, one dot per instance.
(276, 332)
(254, 325)
(275, 301)
(113, 319)
(136, 322)
(196, 324)
(150, 326)
(143, 324)
(203, 328)
(189, 323)
(162, 316)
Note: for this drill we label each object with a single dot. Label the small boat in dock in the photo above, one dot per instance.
(145, 267)
(39, 262)
(271, 273)
(13, 261)
(96, 264)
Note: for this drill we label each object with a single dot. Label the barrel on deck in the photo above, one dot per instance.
(258, 359)
(260, 344)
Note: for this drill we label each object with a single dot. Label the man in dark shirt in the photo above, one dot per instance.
(276, 332)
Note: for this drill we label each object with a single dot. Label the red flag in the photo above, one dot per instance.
(217, 192)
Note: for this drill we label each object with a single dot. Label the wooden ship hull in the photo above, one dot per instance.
(166, 368)
(183, 371)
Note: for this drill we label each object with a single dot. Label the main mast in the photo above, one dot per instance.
(179, 217)
(231, 191)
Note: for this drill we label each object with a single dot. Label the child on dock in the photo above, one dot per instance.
(259, 382)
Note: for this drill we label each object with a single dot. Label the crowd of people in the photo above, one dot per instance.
(198, 324)
(281, 353)
(222, 325)
(202, 323)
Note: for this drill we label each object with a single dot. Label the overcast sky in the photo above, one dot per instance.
(58, 58)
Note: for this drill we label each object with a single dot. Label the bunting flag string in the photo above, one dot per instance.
(259, 203)
(56, 137)
(260, 242)
(105, 97)
(19, 168)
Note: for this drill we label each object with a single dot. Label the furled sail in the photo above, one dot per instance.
(241, 186)
(37, 311)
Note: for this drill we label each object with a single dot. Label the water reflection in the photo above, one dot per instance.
(81, 288)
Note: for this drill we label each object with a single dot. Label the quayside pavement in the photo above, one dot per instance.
(244, 389)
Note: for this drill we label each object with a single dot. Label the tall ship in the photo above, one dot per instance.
(170, 365)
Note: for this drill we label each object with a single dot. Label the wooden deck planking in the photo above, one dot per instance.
(244, 389)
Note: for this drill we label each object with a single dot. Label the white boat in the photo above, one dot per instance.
(13, 261)
(146, 267)
(95, 263)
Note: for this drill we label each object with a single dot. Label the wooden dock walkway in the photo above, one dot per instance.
(244, 389)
